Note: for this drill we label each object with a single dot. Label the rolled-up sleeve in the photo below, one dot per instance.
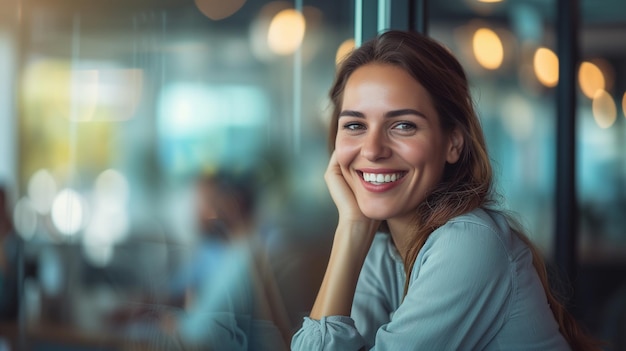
(328, 333)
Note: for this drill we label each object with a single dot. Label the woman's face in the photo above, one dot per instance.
(390, 146)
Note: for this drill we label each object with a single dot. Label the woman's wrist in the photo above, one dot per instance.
(355, 234)
(350, 246)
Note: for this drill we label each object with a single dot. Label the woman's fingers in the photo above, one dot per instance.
(341, 193)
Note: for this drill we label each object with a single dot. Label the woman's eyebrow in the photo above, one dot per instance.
(350, 113)
(406, 111)
(389, 114)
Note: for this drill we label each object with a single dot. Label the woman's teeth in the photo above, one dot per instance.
(381, 178)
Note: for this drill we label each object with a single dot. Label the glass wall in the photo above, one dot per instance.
(127, 111)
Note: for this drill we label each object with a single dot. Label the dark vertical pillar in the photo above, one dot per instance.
(566, 202)
(418, 16)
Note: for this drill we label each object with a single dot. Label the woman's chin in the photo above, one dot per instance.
(375, 215)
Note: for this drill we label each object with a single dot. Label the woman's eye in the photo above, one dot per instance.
(404, 126)
(353, 126)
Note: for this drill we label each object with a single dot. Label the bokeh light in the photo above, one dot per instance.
(109, 222)
(608, 72)
(344, 49)
(25, 218)
(97, 253)
(286, 32)
(68, 212)
(112, 188)
(546, 65)
(260, 27)
(590, 79)
(488, 48)
(42, 189)
(624, 104)
(604, 109)
(219, 9)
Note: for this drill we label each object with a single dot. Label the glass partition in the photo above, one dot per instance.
(128, 112)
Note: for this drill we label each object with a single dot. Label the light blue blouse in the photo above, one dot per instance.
(473, 287)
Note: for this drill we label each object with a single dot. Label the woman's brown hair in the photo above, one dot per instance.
(466, 184)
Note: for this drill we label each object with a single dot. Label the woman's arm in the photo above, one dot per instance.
(350, 246)
(353, 237)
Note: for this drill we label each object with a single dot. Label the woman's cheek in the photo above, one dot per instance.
(345, 152)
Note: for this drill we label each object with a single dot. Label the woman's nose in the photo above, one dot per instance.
(375, 146)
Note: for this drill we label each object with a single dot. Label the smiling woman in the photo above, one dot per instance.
(422, 258)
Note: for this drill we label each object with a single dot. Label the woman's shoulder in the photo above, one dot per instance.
(480, 233)
(490, 219)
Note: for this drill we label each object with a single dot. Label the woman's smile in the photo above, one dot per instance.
(380, 181)
(377, 178)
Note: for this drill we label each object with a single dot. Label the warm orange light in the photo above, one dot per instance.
(608, 72)
(490, 1)
(286, 32)
(344, 49)
(488, 48)
(546, 65)
(604, 110)
(590, 79)
(219, 9)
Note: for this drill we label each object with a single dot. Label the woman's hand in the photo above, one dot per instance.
(341, 193)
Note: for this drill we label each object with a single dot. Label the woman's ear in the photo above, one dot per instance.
(455, 145)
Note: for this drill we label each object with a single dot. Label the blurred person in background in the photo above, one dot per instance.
(422, 258)
(231, 299)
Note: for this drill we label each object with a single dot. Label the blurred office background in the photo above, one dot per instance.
(109, 111)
